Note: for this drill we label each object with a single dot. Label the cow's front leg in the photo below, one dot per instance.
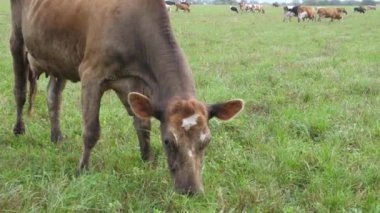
(55, 88)
(122, 88)
(142, 127)
(32, 90)
(20, 75)
(91, 96)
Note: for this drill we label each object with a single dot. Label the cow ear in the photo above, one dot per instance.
(140, 105)
(227, 110)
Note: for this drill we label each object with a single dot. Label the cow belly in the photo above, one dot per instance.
(54, 58)
(54, 36)
(39, 66)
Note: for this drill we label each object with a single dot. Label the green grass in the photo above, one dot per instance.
(308, 139)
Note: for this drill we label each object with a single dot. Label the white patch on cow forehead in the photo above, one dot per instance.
(203, 136)
(190, 121)
(190, 153)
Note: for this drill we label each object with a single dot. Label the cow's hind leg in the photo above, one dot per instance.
(20, 76)
(91, 96)
(55, 88)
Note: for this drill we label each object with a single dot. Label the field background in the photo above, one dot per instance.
(308, 139)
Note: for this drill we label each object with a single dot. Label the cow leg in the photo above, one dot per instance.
(32, 91)
(55, 88)
(20, 82)
(91, 96)
(142, 126)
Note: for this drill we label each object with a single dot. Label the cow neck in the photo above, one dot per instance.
(166, 63)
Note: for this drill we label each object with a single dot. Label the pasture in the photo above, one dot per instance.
(308, 139)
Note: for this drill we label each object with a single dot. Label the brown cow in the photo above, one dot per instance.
(332, 13)
(371, 7)
(182, 6)
(306, 12)
(115, 46)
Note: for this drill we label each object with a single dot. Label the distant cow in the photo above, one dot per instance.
(306, 12)
(245, 7)
(332, 13)
(182, 6)
(293, 9)
(116, 46)
(290, 11)
(371, 7)
(275, 4)
(234, 9)
(258, 8)
(360, 9)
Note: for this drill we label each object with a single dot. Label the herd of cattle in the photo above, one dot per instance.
(311, 13)
(300, 11)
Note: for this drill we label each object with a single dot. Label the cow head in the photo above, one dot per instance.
(185, 134)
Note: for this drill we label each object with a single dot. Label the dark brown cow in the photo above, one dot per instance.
(332, 13)
(115, 46)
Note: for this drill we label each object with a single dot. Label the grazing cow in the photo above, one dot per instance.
(290, 11)
(371, 7)
(182, 6)
(360, 9)
(246, 7)
(234, 9)
(332, 13)
(115, 46)
(258, 8)
(293, 9)
(306, 12)
(275, 4)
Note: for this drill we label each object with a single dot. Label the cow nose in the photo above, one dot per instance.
(190, 190)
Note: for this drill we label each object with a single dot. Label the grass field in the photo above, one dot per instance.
(307, 141)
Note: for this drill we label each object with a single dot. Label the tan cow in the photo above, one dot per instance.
(371, 7)
(258, 8)
(306, 12)
(332, 13)
(115, 46)
(182, 6)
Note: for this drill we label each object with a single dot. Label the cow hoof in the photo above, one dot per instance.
(149, 157)
(81, 171)
(19, 128)
(56, 137)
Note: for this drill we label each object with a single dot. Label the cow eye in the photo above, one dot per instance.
(166, 142)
